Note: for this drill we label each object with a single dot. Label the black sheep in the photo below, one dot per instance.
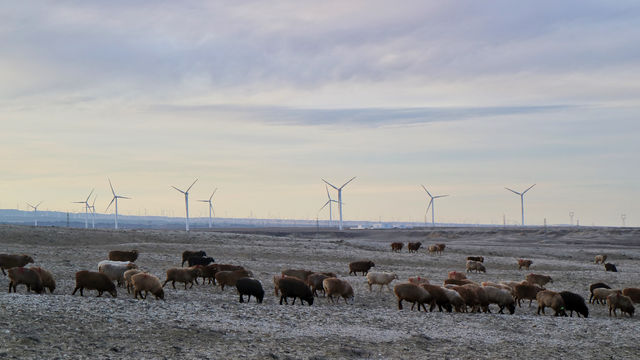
(248, 286)
(187, 254)
(610, 267)
(295, 288)
(197, 260)
(574, 302)
(596, 286)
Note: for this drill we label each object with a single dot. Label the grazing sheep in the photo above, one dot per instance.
(208, 272)
(92, 280)
(118, 255)
(632, 293)
(334, 286)
(538, 279)
(414, 246)
(46, 277)
(439, 296)
(249, 287)
(360, 266)
(600, 295)
(475, 265)
(600, 259)
(26, 276)
(433, 249)
(127, 278)
(418, 280)
(295, 288)
(574, 302)
(548, 298)
(396, 246)
(297, 273)
(315, 282)
(610, 267)
(8, 261)
(413, 294)
(186, 276)
(229, 278)
(481, 294)
(455, 299)
(469, 296)
(522, 263)
(500, 297)
(596, 286)
(476, 258)
(619, 301)
(497, 286)
(380, 278)
(456, 275)
(441, 248)
(115, 269)
(187, 254)
(147, 283)
(526, 291)
(200, 260)
(458, 282)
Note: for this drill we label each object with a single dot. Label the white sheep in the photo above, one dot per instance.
(600, 295)
(455, 299)
(500, 297)
(381, 278)
(115, 269)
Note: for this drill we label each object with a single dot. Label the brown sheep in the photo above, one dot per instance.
(619, 301)
(497, 286)
(127, 278)
(8, 261)
(92, 280)
(118, 255)
(414, 246)
(439, 296)
(538, 279)
(475, 265)
(293, 287)
(523, 263)
(26, 276)
(552, 299)
(600, 295)
(147, 283)
(297, 273)
(208, 272)
(456, 275)
(632, 293)
(433, 249)
(476, 258)
(441, 248)
(315, 282)
(526, 291)
(600, 259)
(396, 246)
(229, 278)
(413, 294)
(418, 280)
(481, 295)
(46, 277)
(360, 266)
(186, 276)
(458, 282)
(334, 286)
(469, 296)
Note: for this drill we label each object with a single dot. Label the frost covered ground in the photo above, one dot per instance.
(207, 323)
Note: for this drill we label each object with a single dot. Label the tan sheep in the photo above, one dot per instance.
(526, 291)
(147, 283)
(334, 286)
(619, 301)
(28, 277)
(475, 265)
(382, 279)
(297, 273)
(456, 275)
(183, 275)
(538, 279)
(600, 259)
(458, 282)
(552, 299)
(600, 295)
(418, 280)
(115, 269)
(500, 297)
(433, 249)
(127, 278)
(46, 277)
(455, 299)
(8, 261)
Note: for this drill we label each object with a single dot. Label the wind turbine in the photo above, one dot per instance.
(86, 209)
(93, 212)
(521, 199)
(35, 212)
(115, 199)
(432, 205)
(186, 201)
(339, 196)
(210, 208)
(328, 203)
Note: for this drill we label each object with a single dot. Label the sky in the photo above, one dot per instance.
(263, 99)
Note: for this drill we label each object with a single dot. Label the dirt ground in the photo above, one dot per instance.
(207, 323)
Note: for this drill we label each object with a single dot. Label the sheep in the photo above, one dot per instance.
(26, 276)
(315, 282)
(46, 277)
(418, 280)
(469, 296)
(380, 278)
(619, 301)
(596, 286)
(433, 249)
(548, 298)
(147, 283)
(229, 278)
(441, 248)
(118, 255)
(574, 302)
(8, 261)
(414, 246)
(500, 297)
(483, 300)
(186, 276)
(497, 286)
(475, 265)
(115, 269)
(456, 275)
(526, 291)
(396, 246)
(334, 286)
(458, 282)
(127, 278)
(476, 258)
(360, 266)
(610, 267)
(208, 272)
(200, 260)
(439, 296)
(187, 254)
(538, 279)
(413, 294)
(295, 288)
(632, 293)
(248, 286)
(600, 295)
(522, 263)
(297, 273)
(455, 299)
(600, 259)
(92, 280)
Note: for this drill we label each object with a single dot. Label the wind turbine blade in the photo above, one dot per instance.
(529, 188)
(189, 188)
(177, 189)
(213, 193)
(328, 183)
(94, 200)
(325, 205)
(123, 197)
(513, 191)
(204, 201)
(345, 184)
(108, 206)
(30, 205)
(428, 193)
(39, 203)
(428, 207)
(112, 191)
(91, 193)
(78, 202)
(440, 196)
(327, 188)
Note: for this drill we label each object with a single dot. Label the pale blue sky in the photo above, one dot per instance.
(262, 99)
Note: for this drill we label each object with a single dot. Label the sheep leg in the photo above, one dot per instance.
(3, 273)
(369, 286)
(281, 298)
(530, 300)
(165, 282)
(399, 304)
(501, 308)
(10, 284)
(173, 283)
(294, 300)
(99, 293)
(241, 299)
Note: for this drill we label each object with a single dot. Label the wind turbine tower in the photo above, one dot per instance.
(339, 196)
(93, 212)
(330, 206)
(623, 217)
(432, 205)
(115, 199)
(86, 209)
(186, 202)
(521, 199)
(210, 208)
(35, 212)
